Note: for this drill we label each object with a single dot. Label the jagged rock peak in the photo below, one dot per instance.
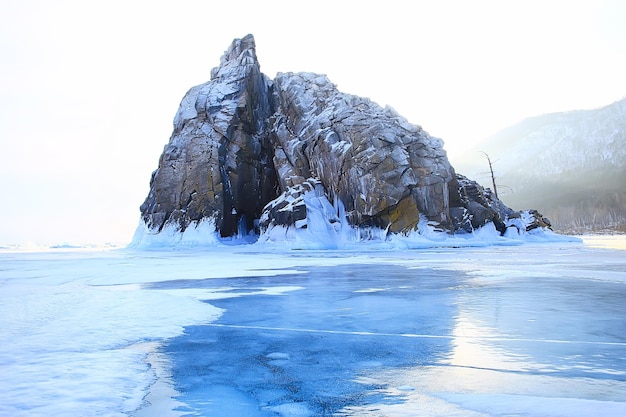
(216, 165)
(241, 52)
(296, 155)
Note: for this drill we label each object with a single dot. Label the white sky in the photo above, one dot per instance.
(88, 89)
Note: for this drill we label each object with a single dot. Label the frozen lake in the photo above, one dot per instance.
(531, 330)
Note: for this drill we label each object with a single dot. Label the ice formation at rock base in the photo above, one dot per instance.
(295, 160)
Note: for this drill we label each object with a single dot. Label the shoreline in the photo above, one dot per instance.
(615, 242)
(160, 398)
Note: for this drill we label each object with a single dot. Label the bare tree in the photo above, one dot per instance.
(493, 178)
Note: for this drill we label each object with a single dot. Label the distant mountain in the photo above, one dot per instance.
(571, 166)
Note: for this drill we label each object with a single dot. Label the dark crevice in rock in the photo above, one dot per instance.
(245, 150)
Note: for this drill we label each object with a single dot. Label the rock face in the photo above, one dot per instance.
(383, 170)
(478, 206)
(249, 153)
(217, 163)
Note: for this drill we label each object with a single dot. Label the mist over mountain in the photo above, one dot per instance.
(571, 166)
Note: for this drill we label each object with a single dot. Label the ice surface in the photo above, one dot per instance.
(196, 234)
(535, 329)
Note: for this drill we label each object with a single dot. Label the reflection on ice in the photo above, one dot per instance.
(474, 347)
(606, 241)
(429, 343)
(310, 347)
(525, 345)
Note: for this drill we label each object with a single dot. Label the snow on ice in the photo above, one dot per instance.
(466, 326)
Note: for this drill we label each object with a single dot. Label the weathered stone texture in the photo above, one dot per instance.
(245, 150)
(217, 163)
(384, 170)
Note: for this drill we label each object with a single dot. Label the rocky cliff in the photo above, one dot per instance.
(217, 164)
(254, 155)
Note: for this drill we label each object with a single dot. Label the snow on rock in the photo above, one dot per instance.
(200, 233)
(216, 164)
(383, 171)
(295, 160)
(303, 216)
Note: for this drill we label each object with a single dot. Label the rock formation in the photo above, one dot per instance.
(217, 164)
(383, 170)
(253, 154)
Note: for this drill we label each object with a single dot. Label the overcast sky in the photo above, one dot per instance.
(88, 89)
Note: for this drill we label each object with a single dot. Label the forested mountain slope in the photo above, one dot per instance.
(571, 166)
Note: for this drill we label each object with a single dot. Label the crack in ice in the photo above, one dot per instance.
(414, 335)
